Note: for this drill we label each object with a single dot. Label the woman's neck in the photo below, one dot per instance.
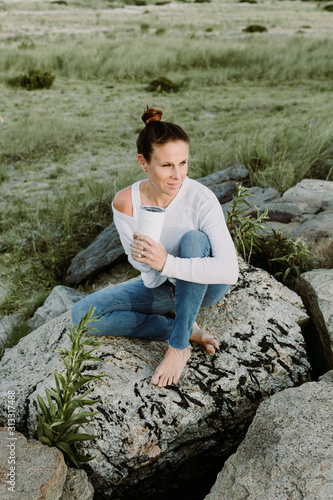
(150, 197)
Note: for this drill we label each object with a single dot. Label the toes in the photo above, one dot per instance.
(210, 348)
(154, 379)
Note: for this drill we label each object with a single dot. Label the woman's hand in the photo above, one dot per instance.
(144, 249)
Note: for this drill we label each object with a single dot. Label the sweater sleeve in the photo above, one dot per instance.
(222, 266)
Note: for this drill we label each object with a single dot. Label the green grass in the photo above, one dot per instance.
(275, 59)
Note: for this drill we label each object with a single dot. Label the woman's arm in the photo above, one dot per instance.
(222, 266)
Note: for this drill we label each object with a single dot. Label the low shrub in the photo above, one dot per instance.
(163, 84)
(255, 28)
(33, 80)
(329, 7)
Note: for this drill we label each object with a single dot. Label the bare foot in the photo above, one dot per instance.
(203, 338)
(171, 367)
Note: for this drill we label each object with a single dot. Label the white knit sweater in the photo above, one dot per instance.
(194, 207)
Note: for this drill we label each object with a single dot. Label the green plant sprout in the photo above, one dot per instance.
(287, 258)
(58, 424)
(246, 231)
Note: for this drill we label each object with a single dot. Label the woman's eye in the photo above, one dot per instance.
(166, 165)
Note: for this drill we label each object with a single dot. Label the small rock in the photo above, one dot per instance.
(38, 472)
(60, 300)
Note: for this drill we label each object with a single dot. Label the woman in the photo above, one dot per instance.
(192, 266)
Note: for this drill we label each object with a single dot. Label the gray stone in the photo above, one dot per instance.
(316, 231)
(287, 452)
(259, 197)
(6, 325)
(224, 191)
(60, 300)
(238, 173)
(38, 473)
(316, 290)
(312, 192)
(77, 486)
(150, 432)
(306, 211)
(106, 250)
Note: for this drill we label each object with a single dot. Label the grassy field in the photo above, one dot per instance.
(262, 99)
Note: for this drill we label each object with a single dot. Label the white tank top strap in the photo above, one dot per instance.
(136, 200)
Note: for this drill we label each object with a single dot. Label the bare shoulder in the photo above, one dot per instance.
(123, 201)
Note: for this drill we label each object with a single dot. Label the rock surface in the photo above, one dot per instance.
(146, 431)
(306, 211)
(38, 472)
(316, 290)
(107, 250)
(6, 325)
(60, 300)
(259, 197)
(77, 486)
(287, 452)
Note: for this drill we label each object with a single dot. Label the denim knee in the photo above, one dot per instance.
(79, 310)
(194, 244)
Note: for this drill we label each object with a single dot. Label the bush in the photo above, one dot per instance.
(329, 7)
(254, 28)
(163, 84)
(33, 80)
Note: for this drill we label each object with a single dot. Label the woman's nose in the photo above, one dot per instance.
(176, 173)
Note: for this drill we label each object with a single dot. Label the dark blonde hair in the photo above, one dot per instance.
(157, 132)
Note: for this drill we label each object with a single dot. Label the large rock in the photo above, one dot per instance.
(29, 470)
(35, 471)
(238, 173)
(60, 300)
(287, 452)
(316, 290)
(306, 211)
(224, 182)
(106, 250)
(147, 432)
(259, 197)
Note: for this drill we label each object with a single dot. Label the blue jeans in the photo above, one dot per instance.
(133, 310)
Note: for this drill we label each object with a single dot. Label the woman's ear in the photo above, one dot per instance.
(142, 162)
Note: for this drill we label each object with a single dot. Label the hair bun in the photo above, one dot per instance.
(151, 115)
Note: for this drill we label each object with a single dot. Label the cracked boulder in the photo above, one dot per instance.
(147, 433)
(287, 452)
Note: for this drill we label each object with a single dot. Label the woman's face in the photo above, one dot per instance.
(167, 168)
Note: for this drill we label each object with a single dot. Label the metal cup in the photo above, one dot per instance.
(151, 220)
